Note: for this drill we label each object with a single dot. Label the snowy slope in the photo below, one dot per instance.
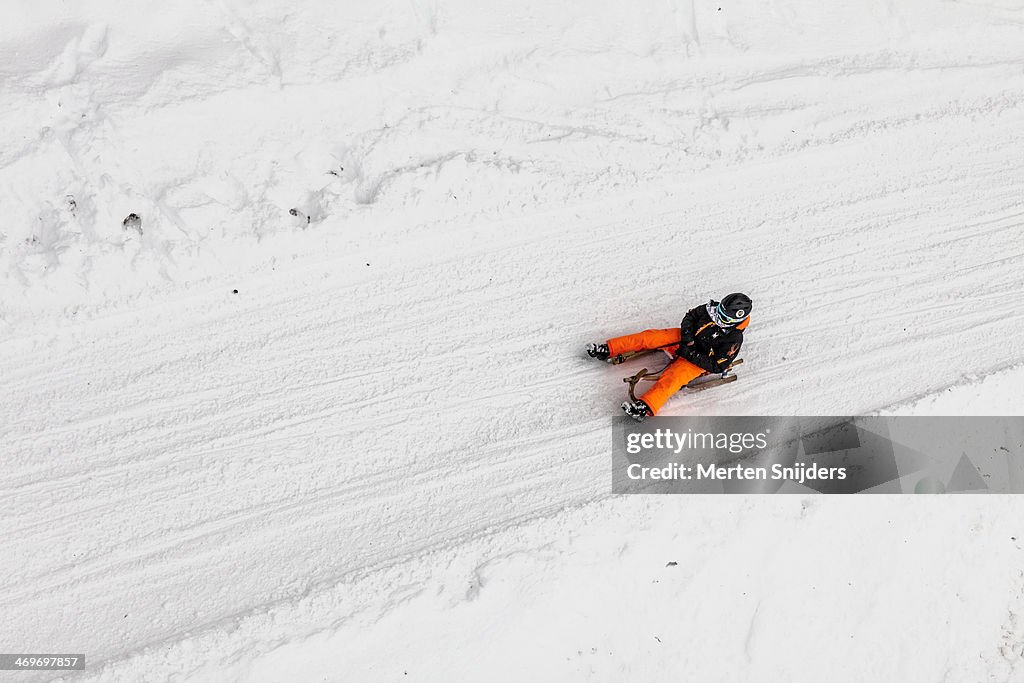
(852, 589)
(396, 387)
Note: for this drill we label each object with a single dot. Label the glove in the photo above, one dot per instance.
(685, 351)
(694, 356)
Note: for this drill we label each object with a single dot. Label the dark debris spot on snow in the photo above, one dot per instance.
(234, 291)
(672, 564)
(132, 222)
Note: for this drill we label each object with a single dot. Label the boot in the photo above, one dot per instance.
(638, 410)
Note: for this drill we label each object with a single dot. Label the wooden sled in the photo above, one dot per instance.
(705, 381)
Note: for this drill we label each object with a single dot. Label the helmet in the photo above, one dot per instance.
(732, 310)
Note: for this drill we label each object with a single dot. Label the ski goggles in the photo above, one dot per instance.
(723, 319)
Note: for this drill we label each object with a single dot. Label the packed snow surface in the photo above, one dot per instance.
(318, 409)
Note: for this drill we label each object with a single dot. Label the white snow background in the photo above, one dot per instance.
(322, 414)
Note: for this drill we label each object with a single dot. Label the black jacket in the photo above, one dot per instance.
(713, 348)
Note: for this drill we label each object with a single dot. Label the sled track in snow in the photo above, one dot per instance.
(316, 433)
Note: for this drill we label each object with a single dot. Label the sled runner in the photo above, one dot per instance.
(705, 381)
(630, 355)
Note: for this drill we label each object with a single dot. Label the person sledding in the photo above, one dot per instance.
(707, 341)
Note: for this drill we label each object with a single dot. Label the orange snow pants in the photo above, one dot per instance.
(677, 375)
